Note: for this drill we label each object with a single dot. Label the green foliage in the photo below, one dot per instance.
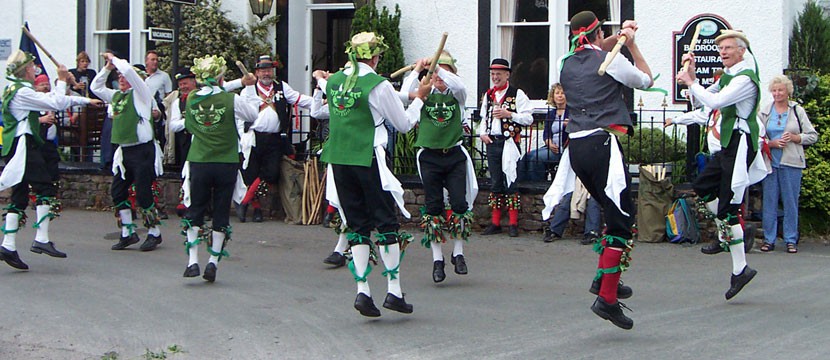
(110, 355)
(404, 161)
(810, 36)
(652, 145)
(815, 191)
(207, 31)
(386, 24)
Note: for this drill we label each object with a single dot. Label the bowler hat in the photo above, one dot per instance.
(500, 64)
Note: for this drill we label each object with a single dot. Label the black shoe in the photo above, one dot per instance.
(240, 212)
(612, 313)
(192, 271)
(749, 237)
(46, 248)
(739, 281)
(460, 264)
(11, 258)
(551, 236)
(438, 274)
(589, 238)
(257, 216)
(398, 304)
(327, 219)
(366, 306)
(492, 229)
(163, 215)
(337, 259)
(623, 291)
(150, 243)
(513, 230)
(210, 272)
(126, 241)
(712, 248)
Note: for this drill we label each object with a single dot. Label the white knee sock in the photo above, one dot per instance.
(437, 253)
(391, 255)
(218, 239)
(42, 234)
(12, 220)
(193, 252)
(155, 231)
(342, 243)
(126, 219)
(458, 249)
(360, 256)
(737, 251)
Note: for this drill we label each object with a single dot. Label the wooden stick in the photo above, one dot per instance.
(402, 70)
(305, 193)
(318, 200)
(611, 55)
(692, 46)
(438, 52)
(34, 40)
(242, 68)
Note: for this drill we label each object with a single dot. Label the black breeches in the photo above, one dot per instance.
(364, 202)
(441, 170)
(211, 181)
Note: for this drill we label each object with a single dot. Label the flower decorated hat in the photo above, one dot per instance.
(209, 69)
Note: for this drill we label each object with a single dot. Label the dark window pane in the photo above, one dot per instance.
(531, 11)
(530, 61)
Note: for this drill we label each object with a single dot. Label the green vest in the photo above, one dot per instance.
(729, 114)
(124, 118)
(10, 123)
(351, 126)
(211, 121)
(440, 126)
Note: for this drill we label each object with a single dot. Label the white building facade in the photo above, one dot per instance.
(532, 34)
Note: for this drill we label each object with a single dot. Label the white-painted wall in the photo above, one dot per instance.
(767, 24)
(51, 21)
(423, 22)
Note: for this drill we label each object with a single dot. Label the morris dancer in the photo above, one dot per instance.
(359, 101)
(137, 160)
(504, 110)
(266, 140)
(213, 116)
(594, 155)
(25, 164)
(443, 162)
(722, 183)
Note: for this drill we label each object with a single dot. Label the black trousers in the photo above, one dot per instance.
(716, 179)
(497, 178)
(35, 174)
(139, 162)
(51, 156)
(364, 202)
(216, 181)
(182, 142)
(441, 170)
(265, 159)
(590, 159)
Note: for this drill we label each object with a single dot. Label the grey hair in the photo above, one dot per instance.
(740, 42)
(782, 79)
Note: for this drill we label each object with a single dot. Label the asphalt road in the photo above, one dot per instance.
(523, 299)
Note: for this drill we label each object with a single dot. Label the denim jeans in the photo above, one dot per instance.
(533, 166)
(783, 184)
(593, 216)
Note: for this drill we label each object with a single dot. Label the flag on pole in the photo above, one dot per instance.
(29, 46)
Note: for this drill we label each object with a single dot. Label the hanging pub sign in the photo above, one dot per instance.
(707, 57)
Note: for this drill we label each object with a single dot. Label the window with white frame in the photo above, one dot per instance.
(116, 25)
(533, 34)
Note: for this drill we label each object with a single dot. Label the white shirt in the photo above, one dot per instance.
(384, 103)
(740, 92)
(268, 121)
(522, 116)
(142, 97)
(159, 82)
(27, 99)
